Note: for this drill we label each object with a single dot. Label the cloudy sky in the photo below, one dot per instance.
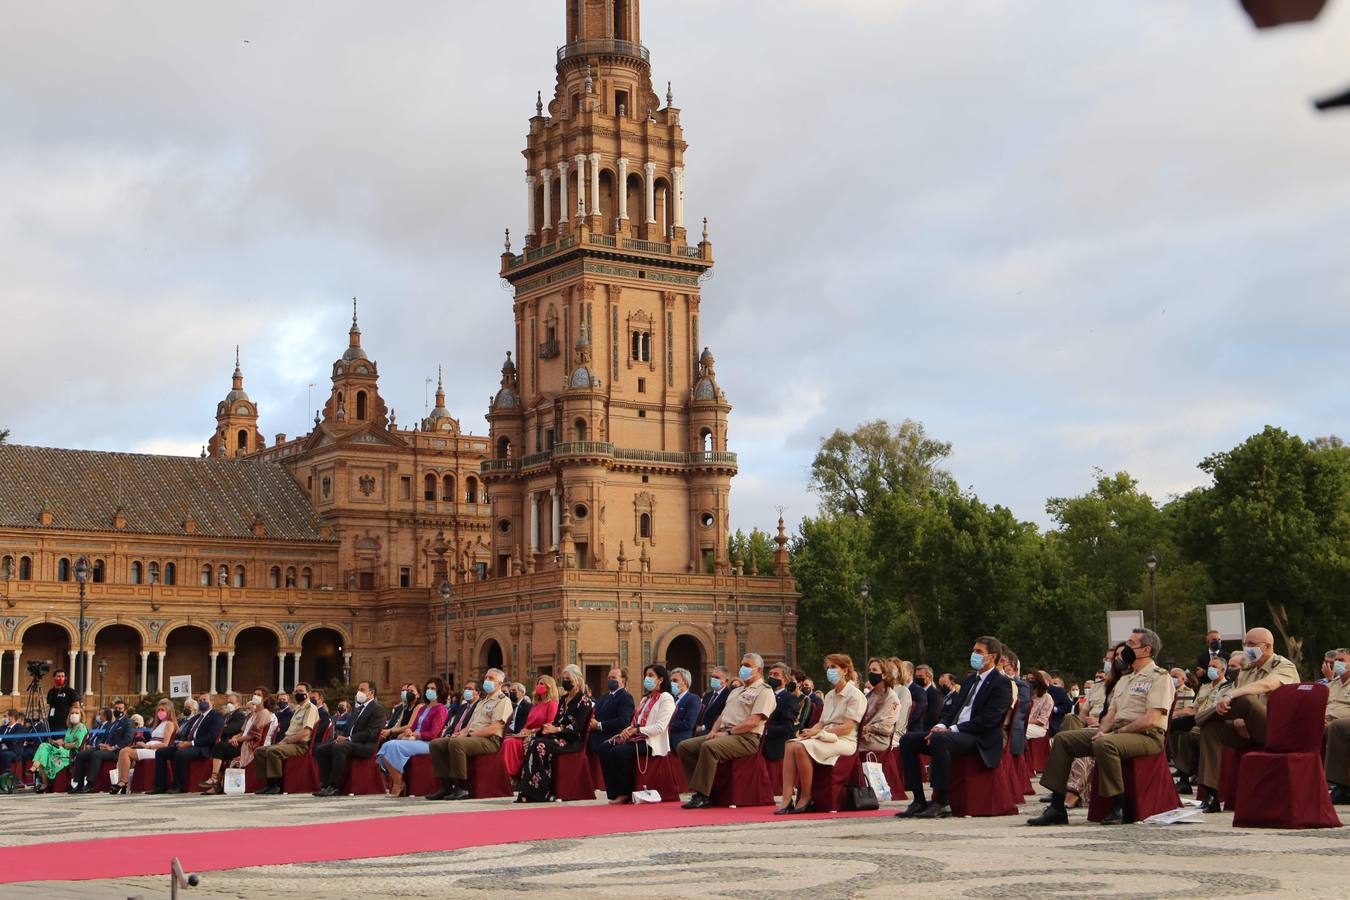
(1063, 236)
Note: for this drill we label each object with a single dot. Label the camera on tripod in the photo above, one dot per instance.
(39, 667)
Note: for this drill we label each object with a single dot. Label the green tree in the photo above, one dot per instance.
(4, 435)
(754, 551)
(853, 469)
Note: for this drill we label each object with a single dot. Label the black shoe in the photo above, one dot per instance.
(459, 793)
(1340, 795)
(1051, 815)
(1212, 804)
(1114, 817)
(76, 788)
(785, 809)
(934, 810)
(175, 790)
(1184, 788)
(441, 794)
(160, 791)
(269, 790)
(698, 801)
(324, 791)
(808, 808)
(912, 810)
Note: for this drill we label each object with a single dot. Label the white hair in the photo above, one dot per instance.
(755, 658)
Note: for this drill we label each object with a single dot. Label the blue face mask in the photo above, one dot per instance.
(1253, 653)
(468, 695)
(832, 675)
(715, 683)
(203, 705)
(1338, 667)
(746, 672)
(431, 694)
(676, 689)
(649, 683)
(489, 685)
(1212, 673)
(977, 661)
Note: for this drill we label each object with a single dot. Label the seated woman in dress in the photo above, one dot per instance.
(648, 736)
(237, 750)
(565, 734)
(161, 735)
(411, 703)
(543, 709)
(1042, 707)
(424, 727)
(55, 754)
(895, 669)
(835, 735)
(881, 719)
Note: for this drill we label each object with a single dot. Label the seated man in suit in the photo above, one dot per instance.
(85, 765)
(719, 685)
(932, 712)
(198, 736)
(458, 721)
(482, 735)
(316, 697)
(781, 725)
(358, 737)
(613, 711)
(1338, 729)
(1239, 718)
(1135, 724)
(971, 724)
(687, 707)
(520, 708)
(736, 733)
(270, 761)
(284, 712)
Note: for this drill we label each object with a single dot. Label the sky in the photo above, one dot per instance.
(1063, 237)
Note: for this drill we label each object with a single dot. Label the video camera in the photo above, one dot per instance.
(39, 667)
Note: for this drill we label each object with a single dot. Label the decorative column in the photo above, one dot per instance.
(563, 170)
(281, 672)
(677, 187)
(530, 182)
(595, 184)
(557, 519)
(622, 187)
(547, 175)
(229, 671)
(70, 669)
(296, 679)
(88, 672)
(215, 654)
(18, 668)
(145, 666)
(650, 169)
(534, 523)
(581, 185)
(159, 671)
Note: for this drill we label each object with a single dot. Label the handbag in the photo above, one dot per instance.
(876, 777)
(234, 781)
(861, 796)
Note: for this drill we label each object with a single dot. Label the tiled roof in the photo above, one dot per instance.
(158, 493)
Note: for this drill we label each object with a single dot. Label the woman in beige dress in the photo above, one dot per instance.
(835, 735)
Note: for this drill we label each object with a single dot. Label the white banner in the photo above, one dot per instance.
(1120, 622)
(180, 686)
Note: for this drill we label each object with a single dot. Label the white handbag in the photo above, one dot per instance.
(876, 777)
(647, 796)
(234, 781)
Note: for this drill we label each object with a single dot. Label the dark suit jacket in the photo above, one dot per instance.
(918, 712)
(208, 729)
(781, 724)
(363, 725)
(284, 718)
(321, 726)
(234, 724)
(987, 710)
(687, 709)
(1017, 737)
(933, 711)
(713, 701)
(519, 716)
(613, 713)
(1063, 706)
(454, 723)
(121, 733)
(395, 716)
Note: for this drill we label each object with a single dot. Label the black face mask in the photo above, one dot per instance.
(1127, 656)
(299, 698)
(565, 684)
(774, 683)
(407, 696)
(874, 678)
(118, 713)
(1215, 646)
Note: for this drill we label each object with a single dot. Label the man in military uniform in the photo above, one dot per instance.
(1135, 725)
(736, 733)
(1338, 728)
(1186, 722)
(1239, 719)
(482, 736)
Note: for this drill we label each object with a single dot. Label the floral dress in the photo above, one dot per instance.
(51, 759)
(572, 720)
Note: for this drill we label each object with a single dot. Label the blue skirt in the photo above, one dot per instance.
(396, 753)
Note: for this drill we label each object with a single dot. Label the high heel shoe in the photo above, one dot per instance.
(809, 807)
(790, 808)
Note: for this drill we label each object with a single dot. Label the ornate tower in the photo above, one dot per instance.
(611, 417)
(236, 420)
(355, 398)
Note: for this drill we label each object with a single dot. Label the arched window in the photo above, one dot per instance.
(580, 429)
(170, 573)
(503, 448)
(206, 576)
(290, 576)
(135, 573)
(239, 580)
(645, 526)
(470, 490)
(223, 576)
(274, 577)
(100, 571)
(25, 568)
(154, 573)
(705, 437)
(429, 487)
(448, 488)
(63, 569)
(7, 570)
(306, 578)
(242, 438)
(360, 406)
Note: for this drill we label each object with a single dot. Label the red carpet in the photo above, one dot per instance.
(357, 839)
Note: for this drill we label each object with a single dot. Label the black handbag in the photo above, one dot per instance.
(861, 796)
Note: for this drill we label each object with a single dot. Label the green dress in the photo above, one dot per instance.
(52, 759)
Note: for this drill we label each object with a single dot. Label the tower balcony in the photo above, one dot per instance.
(604, 47)
(605, 453)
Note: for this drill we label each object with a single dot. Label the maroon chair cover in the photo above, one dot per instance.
(597, 773)
(1149, 789)
(419, 777)
(829, 786)
(973, 790)
(61, 783)
(20, 771)
(1228, 776)
(198, 771)
(363, 777)
(488, 778)
(1283, 785)
(743, 782)
(252, 780)
(664, 774)
(102, 780)
(1038, 753)
(775, 767)
(572, 777)
(1024, 776)
(890, 767)
(299, 775)
(143, 776)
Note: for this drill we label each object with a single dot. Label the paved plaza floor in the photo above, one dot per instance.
(778, 857)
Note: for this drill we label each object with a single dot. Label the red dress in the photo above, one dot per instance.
(513, 748)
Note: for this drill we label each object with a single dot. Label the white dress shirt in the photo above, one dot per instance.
(964, 716)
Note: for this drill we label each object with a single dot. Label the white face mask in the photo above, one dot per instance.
(229, 708)
(361, 698)
(74, 718)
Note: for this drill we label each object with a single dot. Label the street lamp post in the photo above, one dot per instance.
(866, 593)
(1151, 563)
(445, 608)
(102, 673)
(81, 576)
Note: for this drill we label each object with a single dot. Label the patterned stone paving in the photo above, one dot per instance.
(878, 858)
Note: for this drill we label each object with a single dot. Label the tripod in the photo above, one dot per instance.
(35, 708)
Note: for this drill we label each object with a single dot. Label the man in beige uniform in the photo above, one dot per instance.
(1239, 719)
(1135, 725)
(271, 760)
(481, 736)
(1338, 728)
(1186, 753)
(736, 733)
